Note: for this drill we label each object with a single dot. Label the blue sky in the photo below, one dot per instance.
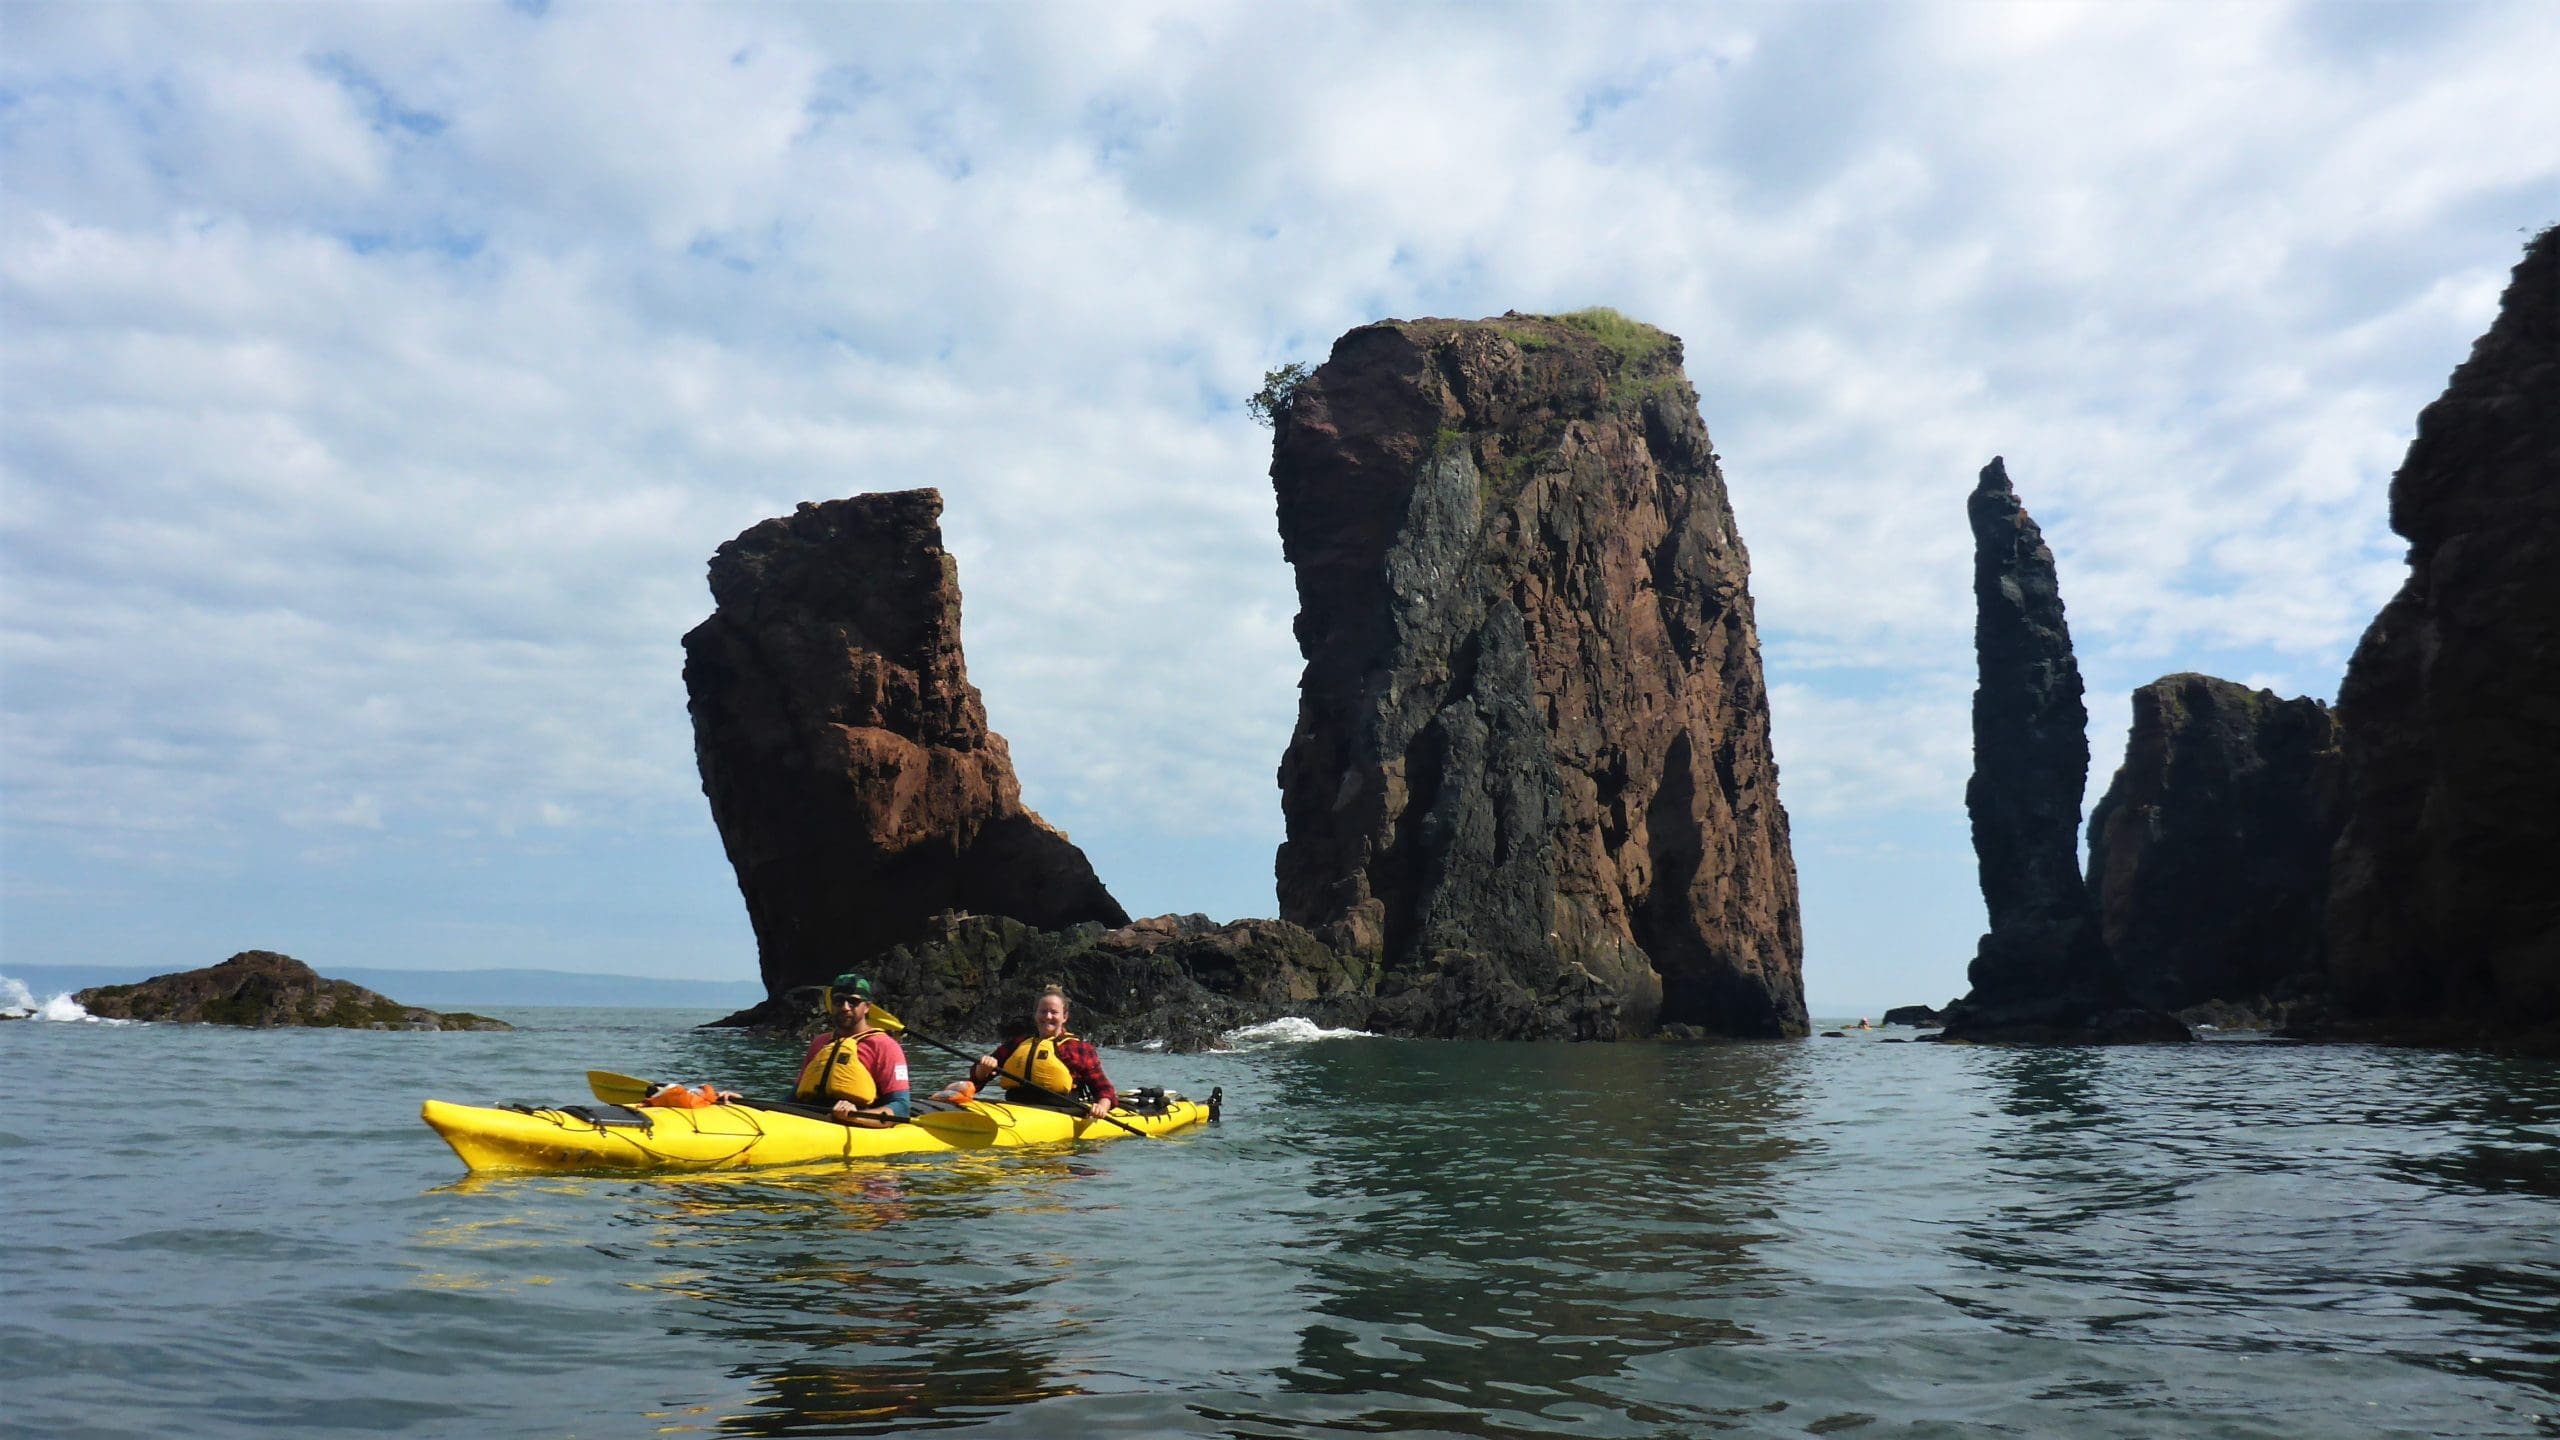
(378, 380)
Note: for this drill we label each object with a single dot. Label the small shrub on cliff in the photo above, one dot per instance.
(1631, 338)
(1270, 404)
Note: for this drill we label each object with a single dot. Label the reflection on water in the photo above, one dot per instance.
(885, 1337)
(838, 1280)
(1847, 1236)
(1491, 1239)
(2167, 1205)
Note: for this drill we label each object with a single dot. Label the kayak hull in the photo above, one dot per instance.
(740, 1137)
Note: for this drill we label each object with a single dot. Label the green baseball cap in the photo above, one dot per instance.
(849, 984)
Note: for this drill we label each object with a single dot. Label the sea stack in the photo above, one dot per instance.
(1531, 774)
(846, 756)
(2209, 856)
(2443, 910)
(2042, 972)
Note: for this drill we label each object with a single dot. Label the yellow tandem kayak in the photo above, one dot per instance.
(740, 1136)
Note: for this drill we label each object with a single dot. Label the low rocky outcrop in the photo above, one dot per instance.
(265, 990)
(2209, 855)
(848, 762)
(1182, 980)
(2041, 974)
(1531, 779)
(2292, 1008)
(1920, 1017)
(2443, 917)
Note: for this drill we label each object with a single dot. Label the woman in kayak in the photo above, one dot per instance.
(1049, 1059)
(858, 1072)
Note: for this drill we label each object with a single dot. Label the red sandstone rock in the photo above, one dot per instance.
(846, 756)
(1532, 757)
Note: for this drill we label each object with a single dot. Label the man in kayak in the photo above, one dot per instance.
(858, 1072)
(1048, 1058)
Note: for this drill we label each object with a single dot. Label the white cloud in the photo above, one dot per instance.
(379, 378)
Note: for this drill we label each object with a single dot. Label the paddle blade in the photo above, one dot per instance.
(615, 1089)
(883, 1020)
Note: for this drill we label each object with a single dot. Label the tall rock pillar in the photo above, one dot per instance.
(846, 756)
(2042, 972)
(2443, 901)
(1531, 772)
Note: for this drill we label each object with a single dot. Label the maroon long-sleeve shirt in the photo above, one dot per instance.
(1081, 1059)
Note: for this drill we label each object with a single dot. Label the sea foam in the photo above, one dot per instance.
(1287, 1030)
(17, 1002)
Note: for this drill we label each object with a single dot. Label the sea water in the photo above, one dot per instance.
(216, 1232)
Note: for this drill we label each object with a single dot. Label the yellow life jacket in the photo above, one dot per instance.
(1035, 1062)
(836, 1072)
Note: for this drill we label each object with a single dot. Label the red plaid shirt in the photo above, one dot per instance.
(1081, 1059)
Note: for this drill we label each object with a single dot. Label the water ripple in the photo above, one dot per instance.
(1391, 1237)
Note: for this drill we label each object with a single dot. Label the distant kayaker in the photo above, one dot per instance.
(858, 1072)
(1048, 1058)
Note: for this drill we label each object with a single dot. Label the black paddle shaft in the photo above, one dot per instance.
(1027, 1083)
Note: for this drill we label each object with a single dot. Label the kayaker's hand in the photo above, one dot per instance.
(728, 1097)
(1098, 1109)
(982, 1070)
(845, 1110)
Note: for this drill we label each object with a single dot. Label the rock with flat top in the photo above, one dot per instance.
(2209, 855)
(1531, 778)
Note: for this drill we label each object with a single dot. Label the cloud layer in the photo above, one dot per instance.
(378, 380)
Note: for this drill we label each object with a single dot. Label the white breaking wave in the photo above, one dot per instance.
(63, 1007)
(1287, 1030)
(17, 1002)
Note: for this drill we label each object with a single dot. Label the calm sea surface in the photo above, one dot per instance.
(214, 1232)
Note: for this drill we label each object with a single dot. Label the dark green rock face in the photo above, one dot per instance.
(2443, 904)
(1531, 777)
(2209, 856)
(265, 990)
